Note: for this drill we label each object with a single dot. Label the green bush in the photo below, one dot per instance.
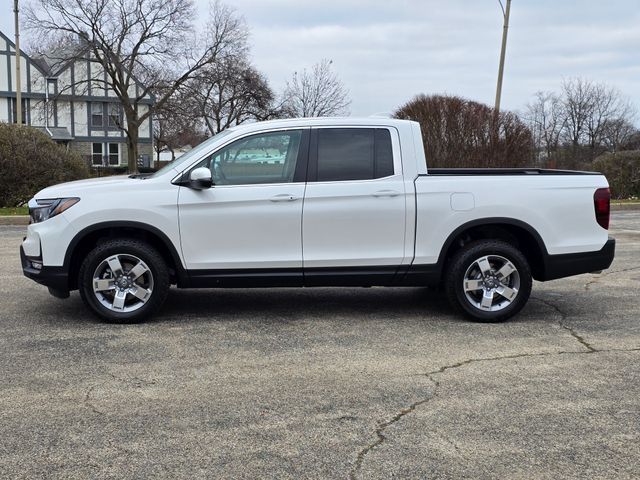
(31, 161)
(622, 169)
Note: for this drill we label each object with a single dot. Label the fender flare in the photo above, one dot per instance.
(180, 270)
(512, 222)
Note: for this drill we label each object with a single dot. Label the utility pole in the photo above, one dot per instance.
(505, 14)
(18, 75)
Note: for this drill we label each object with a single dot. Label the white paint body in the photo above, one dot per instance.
(397, 220)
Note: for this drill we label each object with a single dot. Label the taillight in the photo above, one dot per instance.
(602, 205)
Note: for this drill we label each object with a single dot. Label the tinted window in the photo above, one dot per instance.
(262, 158)
(354, 154)
(384, 153)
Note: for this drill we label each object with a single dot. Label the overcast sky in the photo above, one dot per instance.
(386, 51)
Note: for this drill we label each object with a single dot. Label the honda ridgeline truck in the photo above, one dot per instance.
(317, 202)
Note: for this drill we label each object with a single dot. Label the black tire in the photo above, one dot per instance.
(464, 264)
(127, 250)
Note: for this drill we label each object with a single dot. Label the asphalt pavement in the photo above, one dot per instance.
(324, 383)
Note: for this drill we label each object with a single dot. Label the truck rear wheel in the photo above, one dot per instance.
(488, 280)
(123, 281)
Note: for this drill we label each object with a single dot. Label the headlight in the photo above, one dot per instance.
(41, 210)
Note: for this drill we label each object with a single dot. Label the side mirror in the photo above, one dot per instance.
(200, 178)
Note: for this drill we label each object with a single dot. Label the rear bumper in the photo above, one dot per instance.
(56, 278)
(560, 266)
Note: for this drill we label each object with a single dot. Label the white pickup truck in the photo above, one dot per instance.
(317, 202)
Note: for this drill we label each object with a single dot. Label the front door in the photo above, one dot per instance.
(250, 221)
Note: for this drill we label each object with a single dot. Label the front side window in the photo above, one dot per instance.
(96, 114)
(353, 154)
(114, 154)
(96, 154)
(257, 159)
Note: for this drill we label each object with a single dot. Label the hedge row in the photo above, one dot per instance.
(31, 161)
(622, 169)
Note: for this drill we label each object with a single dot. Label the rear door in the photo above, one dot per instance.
(353, 224)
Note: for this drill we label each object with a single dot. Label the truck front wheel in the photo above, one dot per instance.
(123, 281)
(488, 280)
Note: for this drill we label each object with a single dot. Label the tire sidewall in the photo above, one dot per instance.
(144, 252)
(463, 260)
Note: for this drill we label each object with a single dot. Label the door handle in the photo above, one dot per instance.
(283, 197)
(386, 193)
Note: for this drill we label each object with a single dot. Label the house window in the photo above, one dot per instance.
(51, 86)
(96, 154)
(96, 114)
(114, 154)
(114, 115)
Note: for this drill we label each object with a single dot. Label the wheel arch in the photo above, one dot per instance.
(87, 238)
(516, 232)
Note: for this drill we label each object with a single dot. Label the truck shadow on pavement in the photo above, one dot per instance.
(283, 305)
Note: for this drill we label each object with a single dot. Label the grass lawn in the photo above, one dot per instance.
(14, 211)
(625, 201)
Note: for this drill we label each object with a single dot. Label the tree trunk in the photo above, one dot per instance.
(132, 145)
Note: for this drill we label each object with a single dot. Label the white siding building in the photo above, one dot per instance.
(72, 107)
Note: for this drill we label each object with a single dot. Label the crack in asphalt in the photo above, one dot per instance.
(610, 272)
(87, 399)
(380, 429)
(563, 317)
(600, 276)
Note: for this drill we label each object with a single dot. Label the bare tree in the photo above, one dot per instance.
(546, 116)
(597, 115)
(229, 93)
(578, 102)
(633, 142)
(610, 112)
(316, 93)
(148, 44)
(583, 121)
(461, 133)
(175, 125)
(618, 134)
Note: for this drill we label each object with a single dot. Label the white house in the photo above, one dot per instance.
(72, 104)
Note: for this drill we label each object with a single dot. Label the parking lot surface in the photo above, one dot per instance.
(324, 383)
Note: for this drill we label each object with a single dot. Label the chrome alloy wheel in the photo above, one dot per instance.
(491, 283)
(122, 283)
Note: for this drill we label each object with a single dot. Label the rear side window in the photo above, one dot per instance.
(354, 154)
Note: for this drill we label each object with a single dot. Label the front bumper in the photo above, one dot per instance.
(560, 266)
(56, 278)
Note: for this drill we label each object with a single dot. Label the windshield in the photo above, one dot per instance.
(194, 153)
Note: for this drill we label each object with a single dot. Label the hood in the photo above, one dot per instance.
(76, 188)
